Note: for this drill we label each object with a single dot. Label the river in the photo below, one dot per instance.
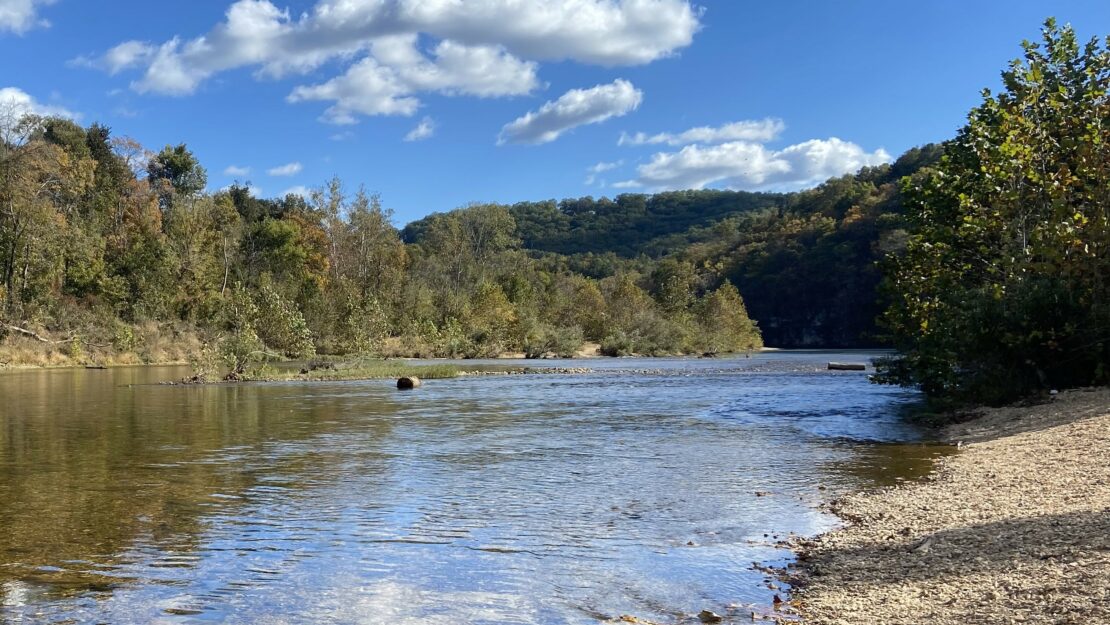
(540, 499)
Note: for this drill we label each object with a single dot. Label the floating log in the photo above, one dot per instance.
(847, 366)
(408, 382)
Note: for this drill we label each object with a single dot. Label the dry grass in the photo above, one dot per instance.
(153, 343)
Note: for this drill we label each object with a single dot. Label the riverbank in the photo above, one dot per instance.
(1014, 528)
(148, 343)
(182, 347)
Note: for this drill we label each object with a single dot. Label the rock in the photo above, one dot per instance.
(923, 546)
(408, 382)
(705, 616)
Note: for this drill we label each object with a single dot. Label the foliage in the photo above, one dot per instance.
(175, 172)
(725, 325)
(279, 323)
(241, 348)
(1002, 289)
(623, 224)
(543, 339)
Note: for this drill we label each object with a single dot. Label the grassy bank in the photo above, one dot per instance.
(121, 344)
(1014, 528)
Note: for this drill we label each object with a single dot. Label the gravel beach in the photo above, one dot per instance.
(1014, 528)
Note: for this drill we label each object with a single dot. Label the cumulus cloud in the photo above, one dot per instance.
(127, 54)
(593, 171)
(759, 131)
(19, 16)
(424, 130)
(16, 103)
(289, 169)
(574, 108)
(235, 170)
(484, 48)
(753, 166)
(386, 82)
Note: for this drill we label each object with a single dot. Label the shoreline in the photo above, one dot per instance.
(1013, 528)
(583, 355)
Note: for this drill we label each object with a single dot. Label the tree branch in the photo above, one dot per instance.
(38, 337)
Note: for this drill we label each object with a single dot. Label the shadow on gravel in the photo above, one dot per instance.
(1033, 416)
(1058, 551)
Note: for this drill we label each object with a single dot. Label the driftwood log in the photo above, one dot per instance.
(408, 382)
(34, 335)
(847, 366)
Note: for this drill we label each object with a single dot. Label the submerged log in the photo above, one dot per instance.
(408, 382)
(847, 366)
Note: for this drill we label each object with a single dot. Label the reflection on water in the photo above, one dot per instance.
(519, 499)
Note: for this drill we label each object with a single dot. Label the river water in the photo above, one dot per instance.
(542, 499)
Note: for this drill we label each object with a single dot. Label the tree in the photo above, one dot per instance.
(1002, 289)
(176, 172)
(674, 285)
(725, 323)
(41, 185)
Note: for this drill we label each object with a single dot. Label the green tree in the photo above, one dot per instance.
(725, 325)
(1002, 288)
(176, 172)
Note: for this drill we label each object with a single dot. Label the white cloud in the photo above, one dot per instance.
(19, 16)
(235, 170)
(746, 165)
(593, 171)
(485, 48)
(759, 131)
(424, 130)
(300, 190)
(574, 108)
(126, 55)
(16, 103)
(386, 82)
(289, 169)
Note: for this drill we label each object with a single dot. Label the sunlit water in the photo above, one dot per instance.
(505, 499)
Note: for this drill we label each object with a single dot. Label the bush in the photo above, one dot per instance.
(617, 344)
(545, 339)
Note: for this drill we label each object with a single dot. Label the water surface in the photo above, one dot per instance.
(502, 499)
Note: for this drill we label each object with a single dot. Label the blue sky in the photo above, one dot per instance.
(515, 100)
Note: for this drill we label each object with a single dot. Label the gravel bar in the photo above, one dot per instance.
(1014, 528)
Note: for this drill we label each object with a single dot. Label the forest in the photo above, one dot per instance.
(806, 263)
(983, 260)
(108, 250)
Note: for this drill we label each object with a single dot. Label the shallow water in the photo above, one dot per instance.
(503, 499)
